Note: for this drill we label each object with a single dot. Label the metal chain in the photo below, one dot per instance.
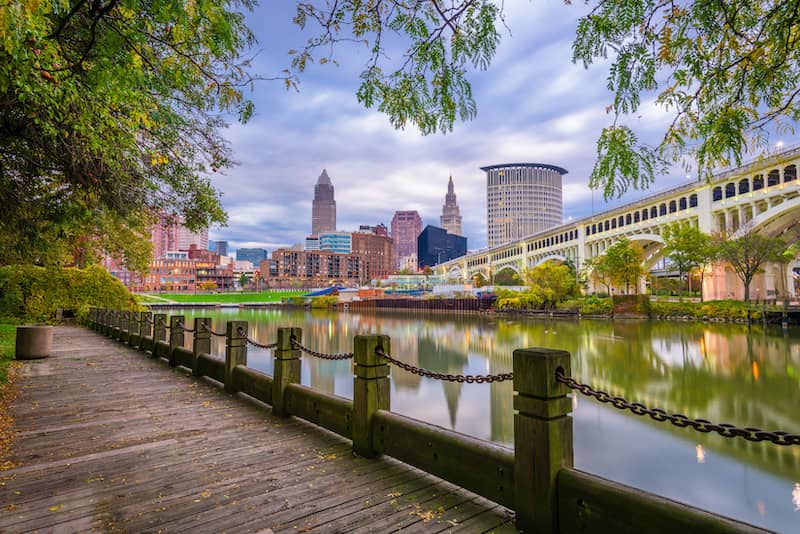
(701, 425)
(183, 327)
(208, 329)
(243, 334)
(164, 323)
(469, 379)
(322, 355)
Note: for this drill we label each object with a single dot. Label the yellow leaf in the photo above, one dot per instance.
(56, 508)
(205, 494)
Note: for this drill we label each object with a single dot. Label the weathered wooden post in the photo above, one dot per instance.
(542, 436)
(159, 331)
(114, 324)
(122, 324)
(202, 341)
(287, 368)
(145, 328)
(125, 331)
(370, 389)
(175, 337)
(235, 351)
(133, 329)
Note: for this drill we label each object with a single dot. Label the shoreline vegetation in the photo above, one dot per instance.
(590, 307)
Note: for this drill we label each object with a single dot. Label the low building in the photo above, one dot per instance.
(377, 251)
(435, 245)
(313, 268)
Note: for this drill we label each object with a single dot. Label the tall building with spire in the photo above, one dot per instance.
(323, 210)
(451, 215)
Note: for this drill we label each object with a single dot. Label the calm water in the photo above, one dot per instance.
(720, 372)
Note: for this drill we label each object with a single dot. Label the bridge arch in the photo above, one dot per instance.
(550, 257)
(775, 220)
(513, 266)
(455, 272)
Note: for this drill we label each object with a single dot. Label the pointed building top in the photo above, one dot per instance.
(324, 178)
(450, 187)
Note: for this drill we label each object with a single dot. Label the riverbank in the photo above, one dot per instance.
(238, 297)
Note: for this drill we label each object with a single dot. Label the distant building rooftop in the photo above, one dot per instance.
(556, 168)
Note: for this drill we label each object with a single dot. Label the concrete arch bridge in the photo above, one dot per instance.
(763, 195)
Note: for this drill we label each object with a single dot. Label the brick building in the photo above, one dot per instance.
(377, 253)
(313, 268)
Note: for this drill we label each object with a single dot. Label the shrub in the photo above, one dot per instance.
(31, 293)
(324, 301)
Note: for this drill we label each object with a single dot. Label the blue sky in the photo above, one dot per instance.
(534, 105)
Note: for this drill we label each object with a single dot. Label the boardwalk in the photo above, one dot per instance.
(112, 440)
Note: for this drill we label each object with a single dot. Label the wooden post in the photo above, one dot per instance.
(133, 329)
(235, 351)
(123, 327)
(202, 341)
(542, 436)
(287, 368)
(175, 337)
(159, 331)
(115, 322)
(145, 327)
(370, 389)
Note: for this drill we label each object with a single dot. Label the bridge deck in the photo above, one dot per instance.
(111, 440)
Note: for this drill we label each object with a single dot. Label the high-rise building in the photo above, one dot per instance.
(172, 236)
(187, 237)
(435, 245)
(406, 226)
(323, 209)
(451, 215)
(522, 199)
(221, 248)
(253, 255)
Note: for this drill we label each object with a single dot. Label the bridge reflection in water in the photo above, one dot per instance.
(724, 373)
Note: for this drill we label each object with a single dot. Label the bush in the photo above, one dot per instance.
(296, 301)
(716, 309)
(324, 301)
(30, 293)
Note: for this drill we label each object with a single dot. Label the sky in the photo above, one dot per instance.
(534, 105)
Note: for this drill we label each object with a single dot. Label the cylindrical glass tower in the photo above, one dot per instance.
(522, 199)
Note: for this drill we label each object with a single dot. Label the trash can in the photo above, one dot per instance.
(34, 341)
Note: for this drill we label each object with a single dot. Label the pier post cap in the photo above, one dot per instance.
(365, 346)
(233, 335)
(535, 372)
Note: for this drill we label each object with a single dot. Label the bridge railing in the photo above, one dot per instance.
(537, 479)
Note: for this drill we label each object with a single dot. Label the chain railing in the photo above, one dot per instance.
(255, 343)
(322, 355)
(701, 425)
(210, 331)
(182, 326)
(469, 379)
(164, 324)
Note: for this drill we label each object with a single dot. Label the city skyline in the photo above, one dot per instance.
(534, 104)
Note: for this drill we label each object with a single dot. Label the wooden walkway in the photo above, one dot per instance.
(112, 440)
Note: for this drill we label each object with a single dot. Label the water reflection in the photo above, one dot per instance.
(725, 373)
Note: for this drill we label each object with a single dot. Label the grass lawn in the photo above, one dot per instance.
(7, 340)
(222, 298)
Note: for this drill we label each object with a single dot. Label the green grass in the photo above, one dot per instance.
(7, 340)
(221, 298)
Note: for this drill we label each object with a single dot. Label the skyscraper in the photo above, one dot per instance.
(522, 199)
(221, 248)
(406, 226)
(323, 210)
(451, 215)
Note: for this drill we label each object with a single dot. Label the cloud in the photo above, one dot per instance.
(534, 104)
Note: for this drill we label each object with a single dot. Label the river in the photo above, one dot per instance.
(725, 373)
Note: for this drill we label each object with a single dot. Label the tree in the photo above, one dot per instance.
(244, 280)
(110, 117)
(556, 279)
(748, 254)
(687, 247)
(620, 264)
(507, 277)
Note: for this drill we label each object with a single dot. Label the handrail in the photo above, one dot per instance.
(539, 486)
